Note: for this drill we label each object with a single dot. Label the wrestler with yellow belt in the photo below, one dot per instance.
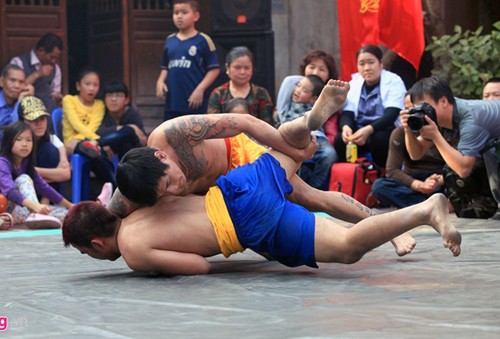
(200, 148)
(246, 209)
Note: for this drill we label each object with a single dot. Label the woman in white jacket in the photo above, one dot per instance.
(372, 107)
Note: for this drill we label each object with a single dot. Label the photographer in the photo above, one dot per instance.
(473, 123)
(408, 182)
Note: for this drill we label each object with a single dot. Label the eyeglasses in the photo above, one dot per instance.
(304, 90)
(115, 95)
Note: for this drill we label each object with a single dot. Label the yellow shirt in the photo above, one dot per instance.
(80, 121)
(223, 226)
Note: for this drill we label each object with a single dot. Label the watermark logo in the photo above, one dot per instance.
(4, 323)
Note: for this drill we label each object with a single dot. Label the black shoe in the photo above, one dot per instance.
(89, 149)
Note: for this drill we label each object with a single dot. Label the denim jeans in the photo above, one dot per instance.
(392, 193)
(120, 141)
(316, 172)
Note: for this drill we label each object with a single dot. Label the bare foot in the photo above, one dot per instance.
(329, 101)
(403, 244)
(438, 219)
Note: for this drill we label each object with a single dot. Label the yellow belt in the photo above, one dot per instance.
(221, 220)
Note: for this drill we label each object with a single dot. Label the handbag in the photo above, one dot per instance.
(355, 179)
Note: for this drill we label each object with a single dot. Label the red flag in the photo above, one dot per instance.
(397, 24)
(358, 26)
(401, 28)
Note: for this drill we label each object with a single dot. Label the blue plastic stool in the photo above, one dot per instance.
(80, 165)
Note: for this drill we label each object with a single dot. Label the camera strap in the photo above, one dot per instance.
(490, 144)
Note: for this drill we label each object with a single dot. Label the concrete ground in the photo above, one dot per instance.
(48, 291)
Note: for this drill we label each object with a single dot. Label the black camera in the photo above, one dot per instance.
(417, 113)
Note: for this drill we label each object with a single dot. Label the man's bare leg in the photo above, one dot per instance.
(297, 132)
(334, 243)
(341, 206)
(336, 204)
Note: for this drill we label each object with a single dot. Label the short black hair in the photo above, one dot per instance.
(49, 41)
(138, 174)
(492, 80)
(238, 52)
(228, 106)
(372, 49)
(8, 68)
(115, 87)
(317, 83)
(195, 5)
(85, 71)
(435, 87)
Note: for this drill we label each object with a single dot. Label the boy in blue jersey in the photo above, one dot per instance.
(189, 64)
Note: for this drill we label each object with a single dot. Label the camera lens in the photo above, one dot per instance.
(416, 121)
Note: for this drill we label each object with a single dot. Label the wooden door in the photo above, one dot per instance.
(149, 23)
(22, 23)
(125, 40)
(106, 39)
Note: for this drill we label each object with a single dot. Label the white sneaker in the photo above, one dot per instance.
(37, 221)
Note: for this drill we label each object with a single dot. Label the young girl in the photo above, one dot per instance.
(21, 183)
(82, 116)
(51, 159)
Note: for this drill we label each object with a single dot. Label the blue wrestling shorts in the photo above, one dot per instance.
(263, 219)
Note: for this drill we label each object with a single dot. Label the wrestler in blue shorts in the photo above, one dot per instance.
(263, 219)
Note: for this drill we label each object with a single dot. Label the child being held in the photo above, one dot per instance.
(316, 172)
(304, 95)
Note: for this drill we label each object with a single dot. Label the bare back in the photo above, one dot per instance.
(197, 146)
(178, 224)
